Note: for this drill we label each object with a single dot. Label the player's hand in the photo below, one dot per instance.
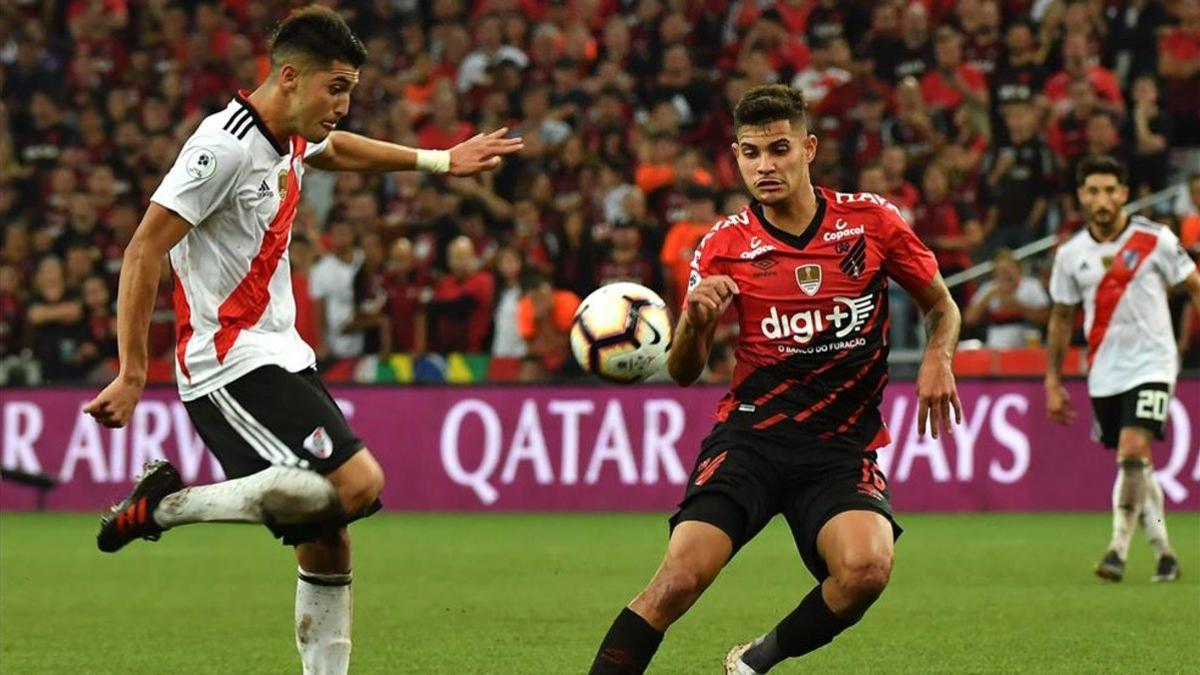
(709, 300)
(1058, 403)
(114, 406)
(482, 152)
(936, 395)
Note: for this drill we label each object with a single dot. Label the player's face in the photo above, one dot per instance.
(1102, 197)
(774, 159)
(322, 99)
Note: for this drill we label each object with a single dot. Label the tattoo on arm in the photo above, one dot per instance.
(1057, 336)
(932, 321)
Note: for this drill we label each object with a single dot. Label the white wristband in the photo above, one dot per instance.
(433, 161)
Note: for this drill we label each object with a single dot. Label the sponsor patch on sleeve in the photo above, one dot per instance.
(201, 164)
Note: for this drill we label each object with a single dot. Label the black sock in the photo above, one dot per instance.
(810, 626)
(628, 646)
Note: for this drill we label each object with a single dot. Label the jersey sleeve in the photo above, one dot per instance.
(1173, 261)
(204, 175)
(1063, 289)
(703, 260)
(316, 148)
(907, 259)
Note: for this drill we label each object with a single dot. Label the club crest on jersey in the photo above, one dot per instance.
(1130, 258)
(809, 278)
(319, 443)
(283, 185)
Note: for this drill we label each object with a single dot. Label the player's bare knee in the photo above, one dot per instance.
(360, 487)
(863, 578)
(676, 587)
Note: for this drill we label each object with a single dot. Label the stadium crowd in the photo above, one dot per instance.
(969, 116)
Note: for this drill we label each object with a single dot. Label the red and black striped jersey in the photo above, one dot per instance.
(813, 313)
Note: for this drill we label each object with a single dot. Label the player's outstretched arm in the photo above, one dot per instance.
(159, 231)
(936, 391)
(706, 302)
(348, 151)
(1058, 338)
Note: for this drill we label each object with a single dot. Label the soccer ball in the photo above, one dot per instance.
(621, 332)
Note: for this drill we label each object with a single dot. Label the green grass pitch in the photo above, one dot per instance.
(534, 594)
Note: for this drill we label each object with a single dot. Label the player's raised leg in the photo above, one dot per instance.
(857, 549)
(695, 555)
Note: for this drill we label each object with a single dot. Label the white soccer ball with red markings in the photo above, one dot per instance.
(622, 332)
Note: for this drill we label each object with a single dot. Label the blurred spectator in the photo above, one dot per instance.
(79, 264)
(508, 342)
(1020, 75)
(56, 319)
(1012, 307)
(460, 313)
(950, 83)
(897, 189)
(490, 51)
(1146, 132)
(408, 290)
(1132, 28)
(625, 260)
(371, 298)
(945, 223)
(1019, 175)
(12, 311)
(100, 341)
(574, 266)
(331, 284)
(1179, 66)
(301, 256)
(821, 75)
(915, 55)
(681, 241)
(1078, 63)
(544, 318)
(1189, 227)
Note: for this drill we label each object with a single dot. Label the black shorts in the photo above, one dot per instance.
(1145, 407)
(739, 487)
(272, 417)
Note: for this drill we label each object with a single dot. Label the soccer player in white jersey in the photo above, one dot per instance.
(224, 212)
(1120, 268)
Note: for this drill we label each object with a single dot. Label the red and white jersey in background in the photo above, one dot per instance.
(1123, 287)
(233, 291)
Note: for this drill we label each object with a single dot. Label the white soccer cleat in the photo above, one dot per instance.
(734, 664)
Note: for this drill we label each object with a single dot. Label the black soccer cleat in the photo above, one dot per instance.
(134, 517)
(1168, 569)
(1111, 567)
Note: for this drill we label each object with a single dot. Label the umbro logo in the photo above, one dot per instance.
(264, 190)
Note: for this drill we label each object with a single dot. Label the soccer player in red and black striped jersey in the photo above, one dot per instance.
(807, 270)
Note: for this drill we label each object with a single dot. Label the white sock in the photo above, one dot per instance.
(1154, 516)
(324, 606)
(1129, 494)
(283, 495)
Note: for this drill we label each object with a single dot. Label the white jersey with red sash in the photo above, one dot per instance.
(1123, 284)
(239, 189)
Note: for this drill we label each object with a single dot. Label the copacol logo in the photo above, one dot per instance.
(847, 316)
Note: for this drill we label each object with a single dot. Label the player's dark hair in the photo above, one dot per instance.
(1101, 164)
(319, 35)
(771, 103)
